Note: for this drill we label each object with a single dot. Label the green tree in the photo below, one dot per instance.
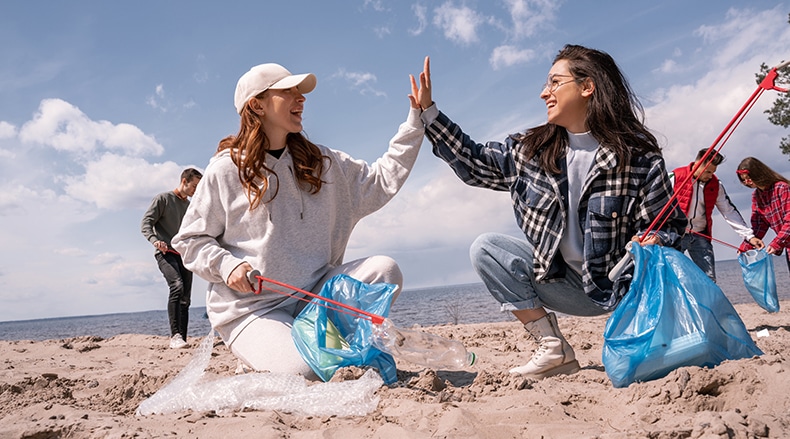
(779, 113)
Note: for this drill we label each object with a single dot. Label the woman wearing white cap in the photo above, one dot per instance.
(274, 201)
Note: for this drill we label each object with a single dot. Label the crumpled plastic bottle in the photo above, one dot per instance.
(421, 348)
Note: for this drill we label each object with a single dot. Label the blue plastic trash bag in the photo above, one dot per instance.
(672, 316)
(329, 339)
(759, 278)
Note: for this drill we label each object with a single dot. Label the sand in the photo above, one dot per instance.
(88, 387)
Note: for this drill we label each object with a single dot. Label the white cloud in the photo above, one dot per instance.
(529, 16)
(459, 24)
(64, 127)
(441, 212)
(120, 182)
(506, 56)
(157, 101)
(71, 252)
(357, 79)
(7, 130)
(106, 259)
(376, 5)
(361, 81)
(744, 34)
(692, 115)
(382, 31)
(68, 215)
(108, 173)
(134, 274)
(38, 226)
(421, 13)
(14, 198)
(668, 66)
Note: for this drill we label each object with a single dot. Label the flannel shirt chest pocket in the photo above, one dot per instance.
(534, 197)
(605, 214)
(537, 207)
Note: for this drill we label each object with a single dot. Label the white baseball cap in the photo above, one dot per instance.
(265, 76)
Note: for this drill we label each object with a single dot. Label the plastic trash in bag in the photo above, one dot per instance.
(672, 316)
(760, 278)
(189, 390)
(330, 337)
(353, 331)
(422, 348)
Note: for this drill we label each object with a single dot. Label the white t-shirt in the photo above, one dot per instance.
(580, 156)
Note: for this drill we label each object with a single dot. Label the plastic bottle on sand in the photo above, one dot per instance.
(421, 347)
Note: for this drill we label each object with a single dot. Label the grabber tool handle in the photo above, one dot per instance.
(252, 277)
(618, 269)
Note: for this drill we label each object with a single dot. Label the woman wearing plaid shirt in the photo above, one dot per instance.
(583, 185)
(770, 204)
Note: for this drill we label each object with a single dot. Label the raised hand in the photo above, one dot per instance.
(420, 97)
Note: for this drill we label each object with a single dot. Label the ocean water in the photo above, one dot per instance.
(468, 303)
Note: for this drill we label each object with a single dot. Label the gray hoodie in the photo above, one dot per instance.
(295, 238)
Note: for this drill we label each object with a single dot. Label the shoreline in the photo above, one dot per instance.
(89, 387)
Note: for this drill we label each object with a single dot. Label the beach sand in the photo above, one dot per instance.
(88, 387)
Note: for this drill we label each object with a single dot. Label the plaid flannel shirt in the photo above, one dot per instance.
(614, 206)
(771, 208)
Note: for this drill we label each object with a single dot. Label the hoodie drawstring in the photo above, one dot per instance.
(301, 197)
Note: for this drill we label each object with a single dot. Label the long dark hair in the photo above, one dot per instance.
(248, 151)
(614, 114)
(761, 175)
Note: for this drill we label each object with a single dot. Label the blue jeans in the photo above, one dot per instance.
(701, 252)
(179, 281)
(504, 263)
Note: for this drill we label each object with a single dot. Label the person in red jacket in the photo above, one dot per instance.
(697, 196)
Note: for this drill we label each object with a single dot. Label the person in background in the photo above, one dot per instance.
(583, 185)
(770, 205)
(160, 223)
(274, 201)
(697, 196)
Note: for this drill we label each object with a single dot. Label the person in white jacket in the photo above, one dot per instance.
(272, 200)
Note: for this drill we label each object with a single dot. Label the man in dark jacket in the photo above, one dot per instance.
(160, 223)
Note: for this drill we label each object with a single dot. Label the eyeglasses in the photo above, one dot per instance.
(552, 84)
(746, 181)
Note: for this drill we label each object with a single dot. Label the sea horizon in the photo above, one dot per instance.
(452, 304)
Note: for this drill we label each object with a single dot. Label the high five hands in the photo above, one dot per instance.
(420, 97)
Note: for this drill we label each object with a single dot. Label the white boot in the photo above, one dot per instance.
(554, 355)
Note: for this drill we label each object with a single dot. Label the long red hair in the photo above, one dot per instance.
(248, 151)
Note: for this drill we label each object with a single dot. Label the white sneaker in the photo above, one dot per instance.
(176, 342)
(554, 355)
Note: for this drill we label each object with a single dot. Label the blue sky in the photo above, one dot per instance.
(104, 103)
